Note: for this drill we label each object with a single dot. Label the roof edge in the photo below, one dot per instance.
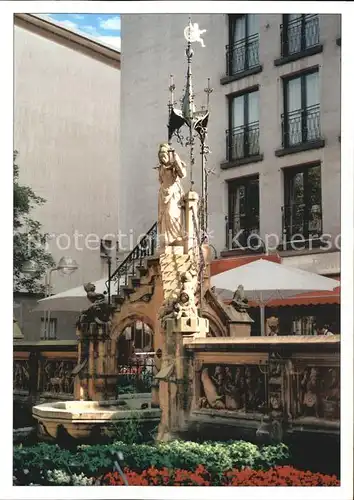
(75, 39)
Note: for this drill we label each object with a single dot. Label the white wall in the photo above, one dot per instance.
(67, 119)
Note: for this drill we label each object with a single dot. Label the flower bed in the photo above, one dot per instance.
(96, 460)
(276, 476)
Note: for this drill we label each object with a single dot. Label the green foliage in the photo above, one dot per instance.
(95, 460)
(28, 240)
(128, 431)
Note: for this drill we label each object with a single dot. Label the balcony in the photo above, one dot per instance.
(242, 232)
(301, 130)
(301, 226)
(299, 38)
(242, 59)
(242, 145)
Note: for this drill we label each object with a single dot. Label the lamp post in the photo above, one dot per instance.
(66, 266)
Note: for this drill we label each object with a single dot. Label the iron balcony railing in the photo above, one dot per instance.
(242, 142)
(300, 34)
(130, 265)
(301, 126)
(242, 55)
(303, 221)
(242, 231)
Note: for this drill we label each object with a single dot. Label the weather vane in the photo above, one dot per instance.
(192, 33)
(196, 121)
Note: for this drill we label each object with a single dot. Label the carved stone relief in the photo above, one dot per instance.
(57, 377)
(21, 374)
(317, 392)
(233, 387)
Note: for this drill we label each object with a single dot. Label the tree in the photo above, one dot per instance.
(29, 243)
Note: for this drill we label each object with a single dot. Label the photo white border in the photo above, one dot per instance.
(6, 98)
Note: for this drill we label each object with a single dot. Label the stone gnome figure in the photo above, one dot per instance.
(171, 170)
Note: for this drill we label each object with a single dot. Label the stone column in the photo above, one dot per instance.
(174, 375)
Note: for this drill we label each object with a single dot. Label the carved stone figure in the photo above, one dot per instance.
(230, 391)
(183, 305)
(331, 400)
(212, 397)
(170, 310)
(92, 295)
(99, 312)
(272, 325)
(310, 387)
(187, 295)
(239, 300)
(171, 170)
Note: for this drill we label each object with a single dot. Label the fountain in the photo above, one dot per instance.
(96, 408)
(182, 258)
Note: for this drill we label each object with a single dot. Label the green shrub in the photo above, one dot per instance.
(128, 431)
(96, 460)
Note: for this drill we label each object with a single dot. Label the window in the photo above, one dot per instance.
(106, 247)
(299, 32)
(243, 216)
(301, 118)
(242, 51)
(243, 135)
(304, 325)
(51, 332)
(302, 212)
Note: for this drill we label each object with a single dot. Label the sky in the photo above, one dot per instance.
(105, 28)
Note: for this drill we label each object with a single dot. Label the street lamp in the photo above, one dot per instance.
(65, 266)
(30, 268)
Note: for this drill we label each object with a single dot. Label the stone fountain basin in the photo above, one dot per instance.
(80, 419)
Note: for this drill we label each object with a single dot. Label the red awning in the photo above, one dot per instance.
(303, 299)
(307, 299)
(218, 266)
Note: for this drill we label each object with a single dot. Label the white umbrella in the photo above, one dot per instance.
(74, 299)
(263, 281)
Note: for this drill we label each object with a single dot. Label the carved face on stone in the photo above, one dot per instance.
(217, 371)
(184, 298)
(163, 155)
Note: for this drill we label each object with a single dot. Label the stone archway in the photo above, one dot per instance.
(137, 337)
(133, 330)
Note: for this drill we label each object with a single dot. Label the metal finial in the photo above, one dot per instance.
(172, 88)
(208, 90)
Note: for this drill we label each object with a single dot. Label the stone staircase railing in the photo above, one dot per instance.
(133, 264)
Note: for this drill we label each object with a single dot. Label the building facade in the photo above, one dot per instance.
(274, 130)
(67, 133)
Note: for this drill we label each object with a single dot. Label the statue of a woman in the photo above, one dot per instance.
(171, 169)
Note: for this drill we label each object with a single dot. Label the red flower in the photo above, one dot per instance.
(277, 476)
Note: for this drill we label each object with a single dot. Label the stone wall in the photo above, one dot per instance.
(266, 387)
(41, 371)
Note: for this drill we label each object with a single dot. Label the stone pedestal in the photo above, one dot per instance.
(176, 377)
(240, 322)
(241, 325)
